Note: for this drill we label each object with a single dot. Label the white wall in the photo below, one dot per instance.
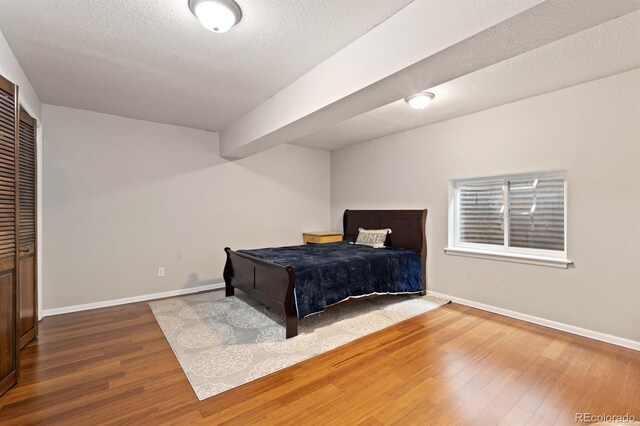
(123, 197)
(591, 130)
(11, 69)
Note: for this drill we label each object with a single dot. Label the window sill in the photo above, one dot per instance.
(510, 257)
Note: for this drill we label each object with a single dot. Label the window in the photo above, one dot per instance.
(519, 218)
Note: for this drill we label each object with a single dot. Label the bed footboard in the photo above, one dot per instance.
(268, 282)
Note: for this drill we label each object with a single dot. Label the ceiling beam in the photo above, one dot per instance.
(425, 44)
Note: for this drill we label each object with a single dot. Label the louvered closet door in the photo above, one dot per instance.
(8, 296)
(28, 323)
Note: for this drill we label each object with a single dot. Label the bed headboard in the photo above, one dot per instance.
(408, 230)
(408, 226)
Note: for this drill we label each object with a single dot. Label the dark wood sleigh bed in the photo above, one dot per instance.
(273, 284)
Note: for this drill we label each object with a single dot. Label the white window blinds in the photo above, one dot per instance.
(481, 212)
(537, 213)
(511, 214)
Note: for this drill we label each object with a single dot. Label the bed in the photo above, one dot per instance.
(303, 280)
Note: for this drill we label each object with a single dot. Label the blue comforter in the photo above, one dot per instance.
(329, 273)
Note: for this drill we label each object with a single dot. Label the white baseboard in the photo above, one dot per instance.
(596, 335)
(116, 302)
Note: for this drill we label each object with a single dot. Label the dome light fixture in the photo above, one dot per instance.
(419, 100)
(216, 15)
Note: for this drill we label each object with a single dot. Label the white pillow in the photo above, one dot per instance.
(372, 237)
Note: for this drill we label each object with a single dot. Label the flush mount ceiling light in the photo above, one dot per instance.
(216, 15)
(419, 100)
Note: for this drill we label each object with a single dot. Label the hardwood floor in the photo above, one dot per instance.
(453, 365)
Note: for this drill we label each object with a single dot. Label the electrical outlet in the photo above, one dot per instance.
(161, 272)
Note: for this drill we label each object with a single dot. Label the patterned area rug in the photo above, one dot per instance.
(224, 342)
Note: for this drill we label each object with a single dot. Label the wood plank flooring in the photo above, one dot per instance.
(453, 365)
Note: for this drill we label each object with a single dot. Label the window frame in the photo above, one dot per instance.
(544, 257)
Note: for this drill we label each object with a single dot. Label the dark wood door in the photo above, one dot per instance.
(8, 234)
(8, 361)
(28, 290)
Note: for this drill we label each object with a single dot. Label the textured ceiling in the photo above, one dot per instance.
(603, 50)
(152, 60)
